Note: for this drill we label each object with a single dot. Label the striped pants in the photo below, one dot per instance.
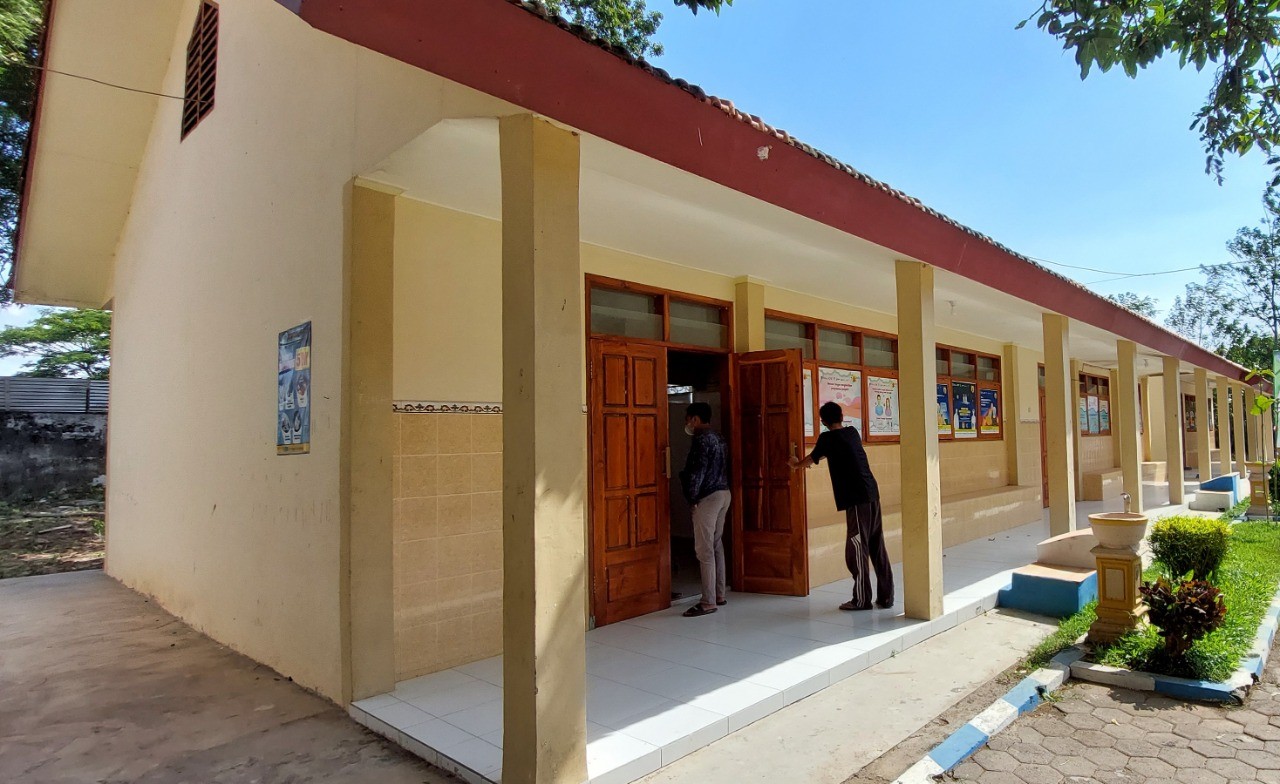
(865, 542)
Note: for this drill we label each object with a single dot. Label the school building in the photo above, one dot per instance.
(488, 261)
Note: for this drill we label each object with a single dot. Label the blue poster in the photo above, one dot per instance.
(964, 399)
(944, 411)
(293, 392)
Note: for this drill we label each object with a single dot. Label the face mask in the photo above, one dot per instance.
(688, 430)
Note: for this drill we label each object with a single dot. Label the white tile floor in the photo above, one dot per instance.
(662, 686)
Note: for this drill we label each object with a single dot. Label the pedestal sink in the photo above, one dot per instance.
(1120, 609)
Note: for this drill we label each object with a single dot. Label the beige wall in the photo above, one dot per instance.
(1097, 453)
(235, 234)
(448, 540)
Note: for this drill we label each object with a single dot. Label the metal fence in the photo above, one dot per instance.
(53, 395)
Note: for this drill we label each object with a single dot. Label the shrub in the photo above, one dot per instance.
(1190, 545)
(1183, 613)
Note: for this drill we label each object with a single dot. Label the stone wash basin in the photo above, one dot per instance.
(1119, 530)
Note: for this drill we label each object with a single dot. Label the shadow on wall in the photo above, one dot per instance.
(44, 453)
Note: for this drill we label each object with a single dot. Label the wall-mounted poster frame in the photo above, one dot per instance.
(944, 410)
(293, 395)
(842, 386)
(964, 402)
(989, 411)
(810, 427)
(882, 407)
(984, 373)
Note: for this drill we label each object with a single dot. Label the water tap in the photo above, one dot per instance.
(1128, 502)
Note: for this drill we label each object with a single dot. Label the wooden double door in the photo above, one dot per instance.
(631, 476)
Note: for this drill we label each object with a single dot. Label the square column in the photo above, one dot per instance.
(1204, 437)
(1237, 427)
(1060, 421)
(368, 443)
(1127, 436)
(1269, 435)
(748, 315)
(1222, 387)
(544, 458)
(1173, 429)
(918, 406)
(1253, 448)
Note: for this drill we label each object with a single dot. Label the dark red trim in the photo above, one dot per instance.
(28, 163)
(503, 50)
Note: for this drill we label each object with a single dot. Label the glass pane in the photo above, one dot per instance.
(942, 359)
(879, 352)
(988, 368)
(962, 365)
(698, 325)
(625, 313)
(788, 334)
(1093, 385)
(837, 345)
(1040, 377)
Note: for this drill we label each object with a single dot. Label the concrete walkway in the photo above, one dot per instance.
(99, 685)
(1097, 733)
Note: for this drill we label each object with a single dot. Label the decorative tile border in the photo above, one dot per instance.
(1024, 697)
(438, 407)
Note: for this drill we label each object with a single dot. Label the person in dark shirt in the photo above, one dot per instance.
(858, 496)
(705, 481)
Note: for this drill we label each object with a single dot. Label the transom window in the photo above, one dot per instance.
(641, 313)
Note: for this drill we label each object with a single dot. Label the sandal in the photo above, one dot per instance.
(721, 602)
(851, 607)
(697, 611)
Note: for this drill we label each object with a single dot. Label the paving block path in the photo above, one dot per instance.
(1102, 734)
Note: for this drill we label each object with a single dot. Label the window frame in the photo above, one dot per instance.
(1082, 391)
(979, 384)
(199, 51)
(665, 297)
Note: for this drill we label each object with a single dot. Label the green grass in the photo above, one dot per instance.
(1069, 630)
(1248, 578)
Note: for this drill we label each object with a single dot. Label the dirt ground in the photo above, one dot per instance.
(97, 684)
(50, 536)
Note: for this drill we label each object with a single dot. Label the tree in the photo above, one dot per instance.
(625, 23)
(62, 344)
(1143, 306)
(1200, 314)
(20, 26)
(1238, 37)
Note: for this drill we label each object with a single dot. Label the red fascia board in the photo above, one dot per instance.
(500, 49)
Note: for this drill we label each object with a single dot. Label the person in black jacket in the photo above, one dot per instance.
(858, 496)
(705, 481)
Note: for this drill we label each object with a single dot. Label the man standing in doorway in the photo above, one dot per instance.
(705, 481)
(858, 496)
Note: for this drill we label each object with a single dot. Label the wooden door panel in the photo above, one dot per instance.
(629, 507)
(771, 527)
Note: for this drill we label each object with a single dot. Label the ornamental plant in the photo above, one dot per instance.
(1183, 613)
(1192, 546)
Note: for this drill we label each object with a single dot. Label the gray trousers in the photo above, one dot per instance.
(708, 543)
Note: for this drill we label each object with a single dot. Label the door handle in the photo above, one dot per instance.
(793, 450)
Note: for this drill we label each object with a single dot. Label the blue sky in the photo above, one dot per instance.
(988, 124)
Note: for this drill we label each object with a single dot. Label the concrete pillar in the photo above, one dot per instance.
(1127, 437)
(1204, 437)
(748, 313)
(1077, 435)
(921, 483)
(544, 461)
(1060, 423)
(367, 446)
(1222, 387)
(1251, 426)
(1173, 428)
(1268, 436)
(1011, 368)
(1237, 427)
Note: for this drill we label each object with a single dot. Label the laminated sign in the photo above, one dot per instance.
(293, 406)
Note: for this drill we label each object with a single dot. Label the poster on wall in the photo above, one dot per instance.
(1104, 415)
(990, 410)
(944, 411)
(1189, 413)
(1084, 415)
(1095, 415)
(809, 431)
(882, 399)
(293, 396)
(964, 399)
(844, 387)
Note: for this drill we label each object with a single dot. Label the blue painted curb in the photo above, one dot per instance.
(1024, 697)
